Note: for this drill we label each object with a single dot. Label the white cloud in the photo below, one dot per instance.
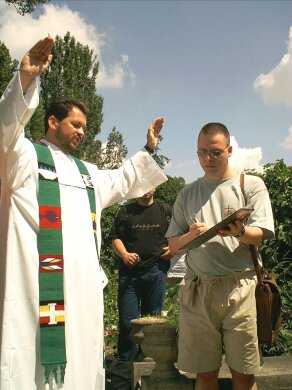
(245, 158)
(287, 143)
(186, 164)
(115, 75)
(275, 86)
(20, 32)
(186, 169)
(170, 165)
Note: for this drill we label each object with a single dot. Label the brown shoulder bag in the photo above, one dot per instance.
(268, 298)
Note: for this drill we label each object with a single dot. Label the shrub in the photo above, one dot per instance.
(276, 253)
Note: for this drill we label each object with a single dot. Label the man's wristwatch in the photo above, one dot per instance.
(149, 150)
(241, 233)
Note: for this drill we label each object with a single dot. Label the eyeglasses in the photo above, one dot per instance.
(213, 153)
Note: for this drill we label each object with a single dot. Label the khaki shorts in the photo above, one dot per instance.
(218, 316)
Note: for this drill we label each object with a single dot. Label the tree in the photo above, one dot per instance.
(72, 73)
(25, 6)
(7, 66)
(277, 253)
(168, 191)
(108, 257)
(159, 158)
(35, 128)
(112, 154)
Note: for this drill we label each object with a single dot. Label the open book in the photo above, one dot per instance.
(242, 214)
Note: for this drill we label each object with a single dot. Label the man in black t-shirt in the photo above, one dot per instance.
(138, 237)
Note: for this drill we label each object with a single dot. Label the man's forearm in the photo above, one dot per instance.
(175, 243)
(251, 235)
(129, 259)
(119, 247)
(25, 80)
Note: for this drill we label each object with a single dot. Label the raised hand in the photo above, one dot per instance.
(36, 61)
(154, 131)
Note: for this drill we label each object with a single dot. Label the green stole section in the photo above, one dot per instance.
(50, 249)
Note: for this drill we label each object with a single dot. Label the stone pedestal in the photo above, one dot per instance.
(181, 383)
(159, 343)
(157, 371)
(143, 379)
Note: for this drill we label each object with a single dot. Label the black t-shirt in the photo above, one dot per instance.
(142, 230)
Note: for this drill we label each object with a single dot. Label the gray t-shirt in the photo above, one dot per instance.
(211, 201)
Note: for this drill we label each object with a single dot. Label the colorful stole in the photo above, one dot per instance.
(51, 262)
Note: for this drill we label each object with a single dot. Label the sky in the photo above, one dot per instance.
(192, 62)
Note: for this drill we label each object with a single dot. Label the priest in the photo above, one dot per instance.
(51, 295)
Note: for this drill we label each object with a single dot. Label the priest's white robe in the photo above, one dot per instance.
(83, 278)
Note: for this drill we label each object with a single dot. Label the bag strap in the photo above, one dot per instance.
(252, 248)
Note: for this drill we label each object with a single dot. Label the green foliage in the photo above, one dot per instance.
(161, 160)
(108, 257)
(168, 191)
(111, 156)
(25, 6)
(35, 128)
(109, 262)
(7, 66)
(171, 303)
(276, 253)
(111, 317)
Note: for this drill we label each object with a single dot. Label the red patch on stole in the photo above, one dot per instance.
(50, 217)
(51, 263)
(44, 320)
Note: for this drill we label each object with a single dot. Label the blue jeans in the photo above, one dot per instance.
(141, 294)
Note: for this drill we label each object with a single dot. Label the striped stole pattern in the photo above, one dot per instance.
(51, 262)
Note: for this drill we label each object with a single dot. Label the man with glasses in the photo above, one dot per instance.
(217, 296)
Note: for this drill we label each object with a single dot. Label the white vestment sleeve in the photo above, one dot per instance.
(15, 111)
(133, 179)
